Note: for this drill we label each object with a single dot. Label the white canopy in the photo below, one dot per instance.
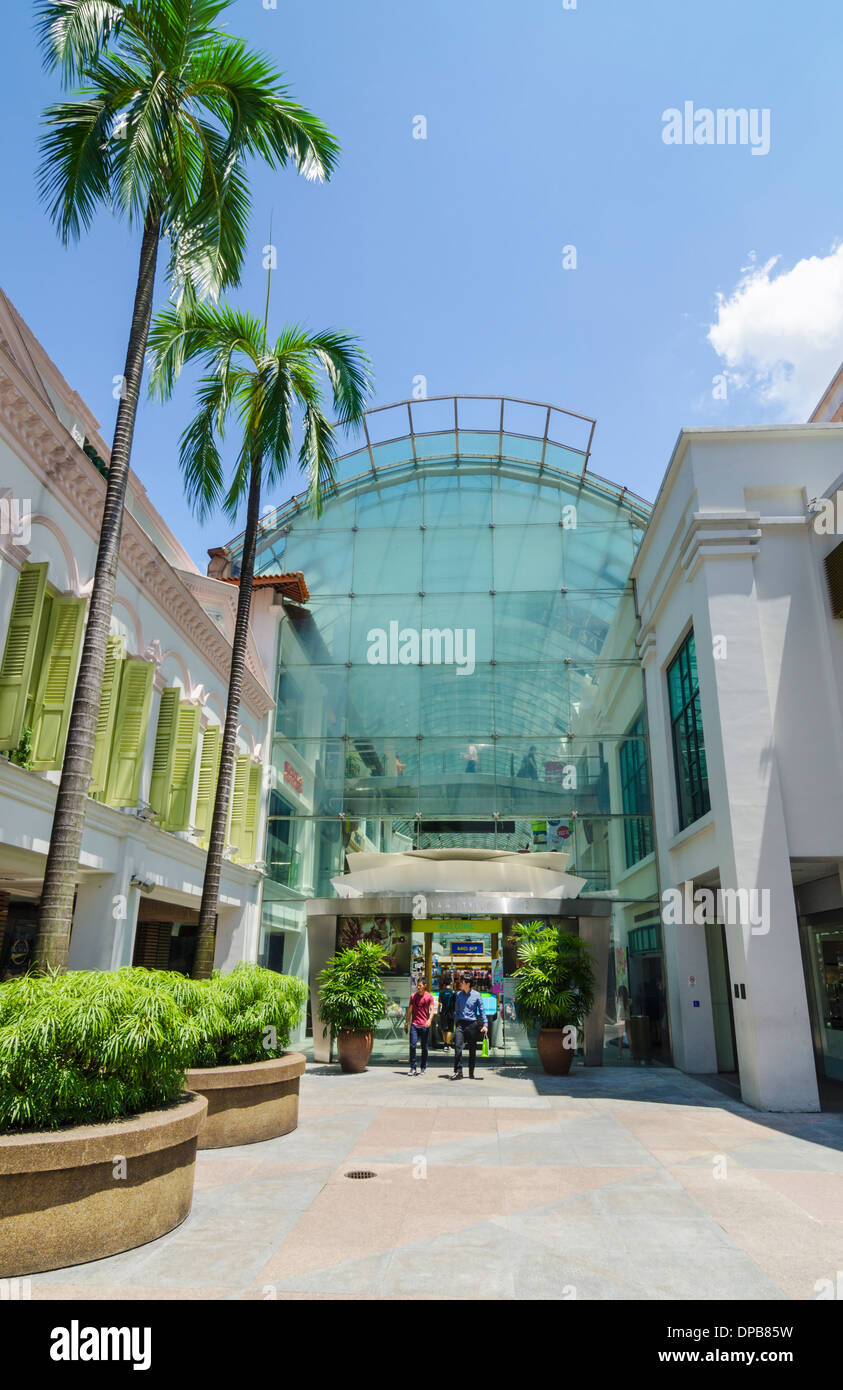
(478, 872)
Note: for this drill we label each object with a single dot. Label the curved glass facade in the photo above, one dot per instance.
(465, 673)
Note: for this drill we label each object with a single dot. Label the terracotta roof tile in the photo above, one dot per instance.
(290, 585)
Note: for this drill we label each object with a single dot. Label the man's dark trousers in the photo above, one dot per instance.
(465, 1037)
(418, 1036)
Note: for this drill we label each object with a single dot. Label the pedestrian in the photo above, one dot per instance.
(471, 758)
(470, 1018)
(417, 1022)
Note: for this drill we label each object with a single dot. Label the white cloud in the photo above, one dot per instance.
(782, 335)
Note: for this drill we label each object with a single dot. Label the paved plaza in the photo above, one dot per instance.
(614, 1183)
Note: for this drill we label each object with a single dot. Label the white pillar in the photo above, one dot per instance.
(772, 1026)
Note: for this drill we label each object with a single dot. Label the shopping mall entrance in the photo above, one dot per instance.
(440, 946)
(440, 952)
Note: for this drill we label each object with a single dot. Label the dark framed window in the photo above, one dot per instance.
(688, 742)
(635, 793)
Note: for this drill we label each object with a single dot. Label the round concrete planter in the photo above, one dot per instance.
(249, 1103)
(66, 1197)
(554, 1056)
(354, 1050)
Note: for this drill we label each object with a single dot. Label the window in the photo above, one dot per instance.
(688, 742)
(635, 793)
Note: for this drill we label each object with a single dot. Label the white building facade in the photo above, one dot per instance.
(163, 701)
(743, 659)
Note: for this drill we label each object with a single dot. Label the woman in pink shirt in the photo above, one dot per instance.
(417, 1023)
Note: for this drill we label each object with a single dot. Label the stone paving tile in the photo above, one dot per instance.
(515, 1186)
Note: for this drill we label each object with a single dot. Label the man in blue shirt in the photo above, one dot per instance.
(470, 1019)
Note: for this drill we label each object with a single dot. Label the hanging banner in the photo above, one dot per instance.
(558, 831)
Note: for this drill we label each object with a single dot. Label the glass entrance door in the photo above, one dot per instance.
(827, 969)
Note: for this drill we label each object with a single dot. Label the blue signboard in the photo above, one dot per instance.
(468, 948)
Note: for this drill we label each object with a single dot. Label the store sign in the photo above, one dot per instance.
(293, 778)
(484, 925)
(468, 948)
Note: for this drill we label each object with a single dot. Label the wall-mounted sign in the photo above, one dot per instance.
(447, 926)
(468, 948)
(293, 778)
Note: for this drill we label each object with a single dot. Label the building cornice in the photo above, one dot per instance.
(52, 454)
(718, 536)
(716, 434)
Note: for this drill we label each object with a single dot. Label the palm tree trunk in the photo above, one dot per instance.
(203, 962)
(54, 920)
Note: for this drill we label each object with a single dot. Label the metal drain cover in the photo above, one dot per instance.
(361, 1173)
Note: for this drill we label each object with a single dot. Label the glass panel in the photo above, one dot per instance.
(564, 459)
(528, 558)
(458, 497)
(515, 448)
(382, 777)
(532, 699)
(530, 627)
(382, 628)
(311, 702)
(317, 634)
(454, 782)
(352, 465)
(597, 559)
(339, 513)
(397, 504)
(324, 559)
(457, 704)
(457, 560)
(436, 446)
(516, 502)
(320, 762)
(387, 561)
(547, 776)
(396, 451)
(477, 443)
(455, 617)
(383, 700)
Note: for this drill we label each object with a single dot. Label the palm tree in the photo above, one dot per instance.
(263, 386)
(166, 109)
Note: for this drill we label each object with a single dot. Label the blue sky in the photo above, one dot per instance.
(445, 255)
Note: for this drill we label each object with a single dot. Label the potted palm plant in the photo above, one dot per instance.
(554, 990)
(352, 1001)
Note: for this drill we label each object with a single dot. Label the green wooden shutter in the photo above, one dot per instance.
(253, 808)
(115, 654)
(206, 789)
(184, 765)
(19, 652)
(126, 763)
(239, 798)
(162, 758)
(57, 681)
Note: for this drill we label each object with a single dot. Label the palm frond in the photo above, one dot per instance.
(74, 173)
(71, 34)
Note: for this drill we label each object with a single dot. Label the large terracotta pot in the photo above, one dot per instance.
(82, 1193)
(554, 1056)
(354, 1050)
(248, 1103)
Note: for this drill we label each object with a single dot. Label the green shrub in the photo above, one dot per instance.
(89, 1046)
(555, 977)
(246, 1016)
(351, 993)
